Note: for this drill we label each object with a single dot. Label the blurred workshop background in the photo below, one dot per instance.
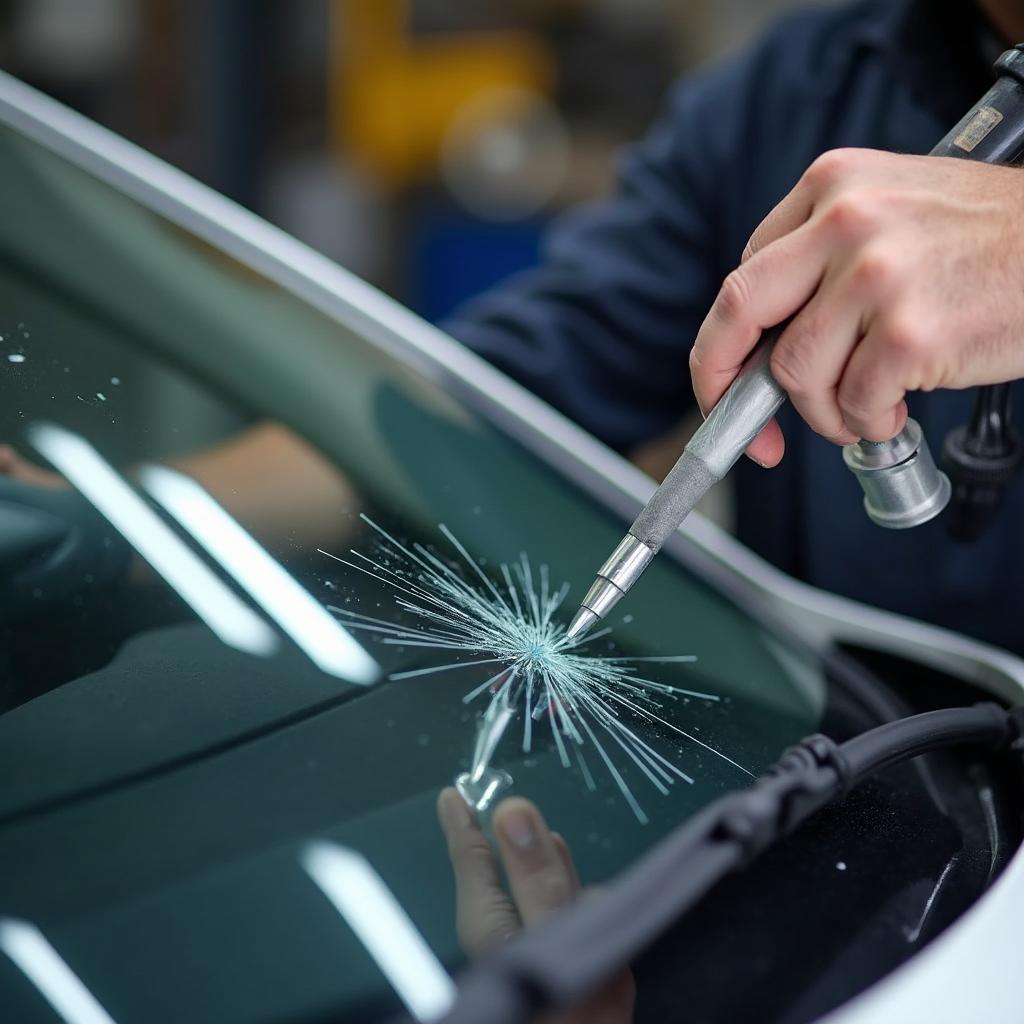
(424, 144)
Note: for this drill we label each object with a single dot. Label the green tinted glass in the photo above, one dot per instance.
(157, 781)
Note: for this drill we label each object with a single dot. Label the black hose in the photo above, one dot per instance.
(559, 963)
(868, 753)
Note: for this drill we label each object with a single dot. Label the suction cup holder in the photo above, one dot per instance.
(902, 485)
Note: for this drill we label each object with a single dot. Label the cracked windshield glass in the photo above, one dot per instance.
(264, 583)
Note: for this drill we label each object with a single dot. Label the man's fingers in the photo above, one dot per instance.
(781, 278)
(809, 358)
(485, 916)
(766, 290)
(540, 881)
(822, 180)
(874, 386)
(570, 865)
(768, 447)
(791, 213)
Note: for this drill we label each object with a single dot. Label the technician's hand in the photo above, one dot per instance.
(905, 273)
(542, 879)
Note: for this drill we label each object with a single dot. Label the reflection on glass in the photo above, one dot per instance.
(232, 620)
(383, 927)
(528, 874)
(304, 619)
(159, 348)
(482, 783)
(45, 968)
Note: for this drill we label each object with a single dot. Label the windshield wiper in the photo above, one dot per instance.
(558, 964)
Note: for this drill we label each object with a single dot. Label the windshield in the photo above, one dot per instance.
(178, 716)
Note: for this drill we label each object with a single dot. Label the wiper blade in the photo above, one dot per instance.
(556, 965)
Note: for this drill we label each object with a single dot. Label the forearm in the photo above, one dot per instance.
(288, 495)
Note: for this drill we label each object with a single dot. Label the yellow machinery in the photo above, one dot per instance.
(395, 97)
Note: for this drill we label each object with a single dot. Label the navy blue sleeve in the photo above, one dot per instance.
(603, 328)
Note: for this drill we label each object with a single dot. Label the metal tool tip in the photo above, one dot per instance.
(581, 623)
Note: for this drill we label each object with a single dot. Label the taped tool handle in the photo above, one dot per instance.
(752, 399)
(742, 412)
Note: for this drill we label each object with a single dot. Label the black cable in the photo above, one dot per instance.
(986, 724)
(559, 963)
(981, 460)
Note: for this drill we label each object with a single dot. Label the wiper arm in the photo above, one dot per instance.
(558, 964)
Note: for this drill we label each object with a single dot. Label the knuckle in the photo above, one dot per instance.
(830, 167)
(789, 363)
(473, 860)
(552, 888)
(905, 334)
(495, 920)
(835, 434)
(734, 296)
(853, 215)
(875, 270)
(854, 402)
(486, 927)
(754, 243)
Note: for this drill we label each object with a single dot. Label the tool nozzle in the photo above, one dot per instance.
(614, 578)
(581, 624)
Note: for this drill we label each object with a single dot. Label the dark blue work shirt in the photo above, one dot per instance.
(603, 328)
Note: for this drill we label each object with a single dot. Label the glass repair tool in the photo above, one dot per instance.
(902, 486)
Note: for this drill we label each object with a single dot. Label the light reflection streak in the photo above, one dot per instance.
(30, 951)
(292, 607)
(370, 909)
(209, 597)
